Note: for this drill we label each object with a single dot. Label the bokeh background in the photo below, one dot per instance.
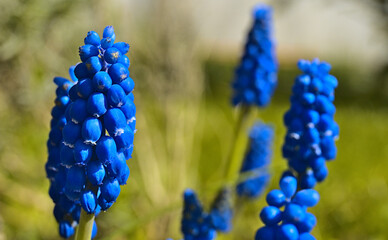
(183, 54)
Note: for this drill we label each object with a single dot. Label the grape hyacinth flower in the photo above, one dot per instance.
(92, 134)
(256, 162)
(286, 217)
(196, 223)
(221, 212)
(256, 76)
(311, 129)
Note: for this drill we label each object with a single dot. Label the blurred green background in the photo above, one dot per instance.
(183, 55)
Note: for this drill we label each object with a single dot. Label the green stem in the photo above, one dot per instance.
(231, 163)
(85, 226)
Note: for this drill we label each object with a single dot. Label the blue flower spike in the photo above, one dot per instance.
(286, 217)
(256, 77)
(89, 130)
(256, 162)
(196, 223)
(311, 129)
(221, 213)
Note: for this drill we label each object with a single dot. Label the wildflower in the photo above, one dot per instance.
(255, 164)
(286, 217)
(92, 132)
(221, 213)
(311, 129)
(196, 224)
(256, 76)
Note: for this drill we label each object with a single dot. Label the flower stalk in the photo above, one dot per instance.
(85, 227)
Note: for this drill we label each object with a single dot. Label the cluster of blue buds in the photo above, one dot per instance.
(286, 217)
(311, 129)
(221, 212)
(256, 162)
(196, 223)
(256, 76)
(92, 132)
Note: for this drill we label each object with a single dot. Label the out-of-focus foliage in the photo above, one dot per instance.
(184, 123)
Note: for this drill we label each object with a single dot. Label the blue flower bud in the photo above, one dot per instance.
(57, 111)
(115, 122)
(108, 32)
(308, 197)
(75, 179)
(131, 96)
(92, 38)
(276, 198)
(123, 47)
(308, 180)
(128, 85)
(67, 156)
(55, 137)
(88, 201)
(265, 233)
(93, 65)
(87, 51)
(293, 213)
(124, 140)
(329, 150)
(85, 88)
(107, 43)
(96, 105)
(110, 190)
(118, 72)
(310, 116)
(62, 101)
(271, 215)
(106, 150)
(102, 81)
(73, 93)
(112, 55)
(58, 212)
(81, 71)
(95, 172)
(116, 96)
(78, 111)
(125, 61)
(104, 204)
(129, 110)
(82, 152)
(91, 130)
(287, 232)
(122, 178)
(128, 152)
(321, 173)
(116, 166)
(65, 229)
(288, 185)
(311, 136)
(71, 132)
(307, 224)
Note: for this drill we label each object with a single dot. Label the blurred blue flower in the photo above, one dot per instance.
(92, 131)
(311, 129)
(196, 223)
(221, 212)
(256, 161)
(256, 76)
